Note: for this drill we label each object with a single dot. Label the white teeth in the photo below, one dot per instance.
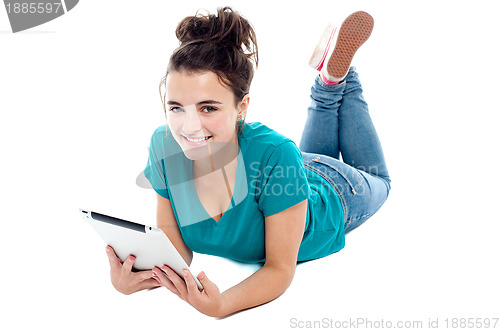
(197, 140)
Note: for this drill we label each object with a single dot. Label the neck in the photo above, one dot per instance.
(225, 154)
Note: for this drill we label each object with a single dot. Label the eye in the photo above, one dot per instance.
(176, 109)
(208, 109)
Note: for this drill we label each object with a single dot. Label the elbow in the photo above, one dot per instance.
(289, 274)
(284, 273)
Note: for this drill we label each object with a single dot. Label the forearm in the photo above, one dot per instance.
(263, 286)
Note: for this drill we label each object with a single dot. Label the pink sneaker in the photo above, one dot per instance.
(355, 30)
(323, 49)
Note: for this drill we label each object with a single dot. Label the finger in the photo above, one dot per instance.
(191, 284)
(162, 278)
(114, 261)
(143, 275)
(129, 262)
(176, 280)
(155, 277)
(208, 286)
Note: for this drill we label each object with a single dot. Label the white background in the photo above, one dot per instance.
(78, 104)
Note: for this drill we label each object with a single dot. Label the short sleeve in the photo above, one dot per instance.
(155, 168)
(284, 183)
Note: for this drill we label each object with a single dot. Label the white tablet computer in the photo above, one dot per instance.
(150, 246)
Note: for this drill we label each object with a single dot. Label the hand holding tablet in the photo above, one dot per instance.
(124, 279)
(149, 245)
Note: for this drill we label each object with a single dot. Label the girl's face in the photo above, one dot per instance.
(201, 113)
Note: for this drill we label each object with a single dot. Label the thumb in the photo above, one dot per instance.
(209, 287)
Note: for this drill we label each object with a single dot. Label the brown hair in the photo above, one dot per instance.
(224, 44)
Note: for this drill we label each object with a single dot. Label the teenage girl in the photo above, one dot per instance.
(243, 191)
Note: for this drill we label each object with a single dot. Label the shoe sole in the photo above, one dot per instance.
(355, 30)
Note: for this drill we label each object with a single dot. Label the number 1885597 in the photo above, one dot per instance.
(33, 8)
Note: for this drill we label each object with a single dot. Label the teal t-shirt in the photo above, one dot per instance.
(270, 178)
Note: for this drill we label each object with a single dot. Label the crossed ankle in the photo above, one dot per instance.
(326, 80)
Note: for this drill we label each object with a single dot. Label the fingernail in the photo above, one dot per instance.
(185, 273)
(202, 275)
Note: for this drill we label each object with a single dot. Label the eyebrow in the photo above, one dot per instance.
(203, 102)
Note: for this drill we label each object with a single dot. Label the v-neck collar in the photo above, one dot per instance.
(231, 202)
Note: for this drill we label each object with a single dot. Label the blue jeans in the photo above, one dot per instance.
(338, 123)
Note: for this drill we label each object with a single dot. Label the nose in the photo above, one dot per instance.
(192, 121)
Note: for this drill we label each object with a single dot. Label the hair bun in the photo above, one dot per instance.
(227, 27)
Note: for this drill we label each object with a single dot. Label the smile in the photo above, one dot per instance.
(197, 140)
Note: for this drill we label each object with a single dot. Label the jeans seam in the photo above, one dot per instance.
(339, 194)
(354, 219)
(365, 215)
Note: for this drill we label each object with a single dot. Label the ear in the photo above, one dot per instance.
(243, 105)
